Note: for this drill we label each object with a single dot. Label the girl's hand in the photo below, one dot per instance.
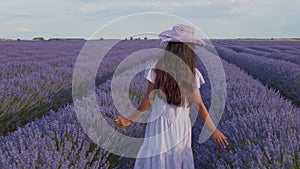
(123, 121)
(219, 138)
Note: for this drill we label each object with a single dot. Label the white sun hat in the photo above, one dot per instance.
(180, 33)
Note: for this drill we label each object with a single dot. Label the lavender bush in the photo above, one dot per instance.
(55, 141)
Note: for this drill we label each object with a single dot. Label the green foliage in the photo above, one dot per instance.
(38, 38)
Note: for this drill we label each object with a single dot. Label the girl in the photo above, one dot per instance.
(172, 102)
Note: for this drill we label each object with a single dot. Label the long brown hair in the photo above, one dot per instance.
(166, 83)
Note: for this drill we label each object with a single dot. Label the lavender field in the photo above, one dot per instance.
(39, 128)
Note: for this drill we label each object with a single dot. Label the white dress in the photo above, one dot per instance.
(171, 126)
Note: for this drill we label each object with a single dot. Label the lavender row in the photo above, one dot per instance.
(283, 76)
(289, 56)
(55, 141)
(32, 72)
(259, 125)
(59, 141)
(287, 51)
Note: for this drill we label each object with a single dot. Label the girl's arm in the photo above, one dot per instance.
(142, 108)
(217, 136)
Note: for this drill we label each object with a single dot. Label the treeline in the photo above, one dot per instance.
(53, 39)
(41, 38)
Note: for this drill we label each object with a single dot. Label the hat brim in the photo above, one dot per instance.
(168, 36)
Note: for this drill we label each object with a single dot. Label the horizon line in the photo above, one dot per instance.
(137, 38)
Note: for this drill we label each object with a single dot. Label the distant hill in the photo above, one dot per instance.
(270, 39)
(66, 39)
(4, 39)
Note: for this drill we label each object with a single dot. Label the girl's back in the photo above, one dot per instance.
(173, 86)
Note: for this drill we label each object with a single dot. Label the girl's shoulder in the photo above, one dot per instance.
(152, 64)
(197, 72)
(198, 78)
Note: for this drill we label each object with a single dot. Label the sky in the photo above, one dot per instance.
(82, 18)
